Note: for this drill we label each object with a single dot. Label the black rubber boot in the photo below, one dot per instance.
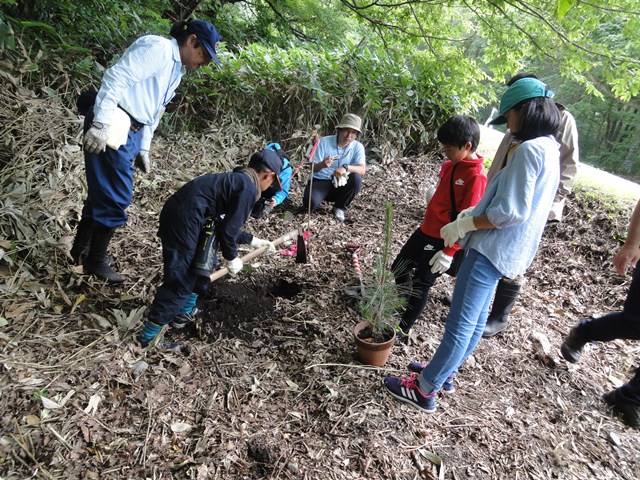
(506, 295)
(97, 263)
(629, 411)
(80, 248)
(572, 346)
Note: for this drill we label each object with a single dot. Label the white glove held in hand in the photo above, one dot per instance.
(454, 231)
(259, 242)
(440, 262)
(234, 266)
(143, 162)
(340, 180)
(95, 140)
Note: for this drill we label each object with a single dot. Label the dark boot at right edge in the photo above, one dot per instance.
(506, 294)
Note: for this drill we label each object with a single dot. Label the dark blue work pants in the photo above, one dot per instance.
(110, 181)
(324, 191)
(177, 285)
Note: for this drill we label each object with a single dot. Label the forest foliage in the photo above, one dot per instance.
(403, 65)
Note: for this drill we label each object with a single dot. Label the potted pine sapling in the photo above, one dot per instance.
(381, 299)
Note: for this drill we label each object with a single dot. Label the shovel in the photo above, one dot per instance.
(251, 255)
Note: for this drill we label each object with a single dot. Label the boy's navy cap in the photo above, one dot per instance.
(207, 35)
(523, 89)
(270, 159)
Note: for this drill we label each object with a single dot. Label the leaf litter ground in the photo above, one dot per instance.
(266, 384)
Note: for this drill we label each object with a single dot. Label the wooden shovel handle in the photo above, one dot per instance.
(255, 253)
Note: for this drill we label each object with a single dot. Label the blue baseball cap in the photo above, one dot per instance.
(207, 35)
(268, 158)
(523, 89)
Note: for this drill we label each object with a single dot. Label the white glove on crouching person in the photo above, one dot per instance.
(454, 231)
(440, 262)
(234, 266)
(95, 140)
(259, 242)
(143, 162)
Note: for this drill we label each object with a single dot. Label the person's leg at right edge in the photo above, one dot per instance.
(615, 325)
(625, 401)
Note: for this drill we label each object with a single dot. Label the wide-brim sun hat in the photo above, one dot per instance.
(351, 120)
(523, 89)
(207, 35)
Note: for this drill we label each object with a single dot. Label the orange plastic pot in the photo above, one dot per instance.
(370, 352)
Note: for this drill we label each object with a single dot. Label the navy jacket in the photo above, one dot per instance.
(230, 194)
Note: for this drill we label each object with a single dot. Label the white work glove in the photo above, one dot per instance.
(259, 242)
(454, 231)
(340, 180)
(234, 266)
(440, 262)
(95, 140)
(143, 162)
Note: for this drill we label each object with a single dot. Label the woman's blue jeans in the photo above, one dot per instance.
(475, 285)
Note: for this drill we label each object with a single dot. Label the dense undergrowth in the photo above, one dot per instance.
(403, 93)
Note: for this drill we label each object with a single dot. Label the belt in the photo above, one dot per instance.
(135, 124)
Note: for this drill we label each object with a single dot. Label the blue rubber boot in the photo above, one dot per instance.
(149, 331)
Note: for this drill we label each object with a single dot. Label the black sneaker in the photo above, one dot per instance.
(447, 299)
(630, 412)
(182, 320)
(447, 387)
(572, 346)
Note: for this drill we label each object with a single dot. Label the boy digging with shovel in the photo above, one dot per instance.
(228, 199)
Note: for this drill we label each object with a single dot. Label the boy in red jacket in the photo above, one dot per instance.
(462, 182)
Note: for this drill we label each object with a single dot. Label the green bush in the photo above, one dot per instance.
(402, 96)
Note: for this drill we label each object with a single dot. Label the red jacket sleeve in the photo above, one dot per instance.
(476, 184)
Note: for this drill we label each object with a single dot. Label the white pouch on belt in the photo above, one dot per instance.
(119, 129)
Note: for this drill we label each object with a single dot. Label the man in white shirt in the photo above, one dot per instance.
(120, 126)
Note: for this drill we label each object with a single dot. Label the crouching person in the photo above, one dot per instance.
(227, 198)
(338, 166)
(278, 192)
